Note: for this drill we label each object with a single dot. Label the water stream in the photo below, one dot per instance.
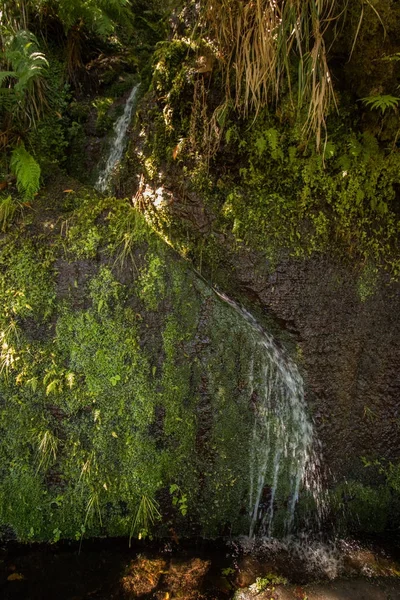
(283, 452)
(283, 457)
(118, 142)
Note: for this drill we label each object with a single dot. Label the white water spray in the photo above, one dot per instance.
(118, 143)
(283, 456)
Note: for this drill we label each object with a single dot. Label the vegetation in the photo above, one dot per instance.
(100, 419)
(124, 390)
(257, 41)
(50, 52)
(241, 144)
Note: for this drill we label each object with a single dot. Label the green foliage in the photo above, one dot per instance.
(28, 65)
(104, 121)
(263, 583)
(48, 138)
(34, 96)
(26, 61)
(391, 472)
(21, 496)
(8, 207)
(146, 517)
(367, 282)
(107, 404)
(110, 224)
(83, 231)
(179, 499)
(128, 228)
(26, 281)
(393, 477)
(381, 102)
(47, 449)
(151, 285)
(27, 171)
(364, 508)
(266, 185)
(288, 199)
(100, 17)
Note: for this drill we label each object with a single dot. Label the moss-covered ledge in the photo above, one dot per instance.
(123, 383)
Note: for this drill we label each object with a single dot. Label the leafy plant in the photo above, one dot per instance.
(27, 171)
(128, 228)
(146, 516)
(381, 102)
(257, 42)
(8, 352)
(7, 210)
(80, 17)
(56, 535)
(262, 583)
(179, 499)
(47, 449)
(92, 507)
(25, 81)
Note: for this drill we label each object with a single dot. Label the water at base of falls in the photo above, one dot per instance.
(118, 143)
(283, 460)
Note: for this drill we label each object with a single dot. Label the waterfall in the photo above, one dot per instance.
(283, 459)
(118, 142)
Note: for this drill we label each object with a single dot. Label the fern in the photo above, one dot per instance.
(381, 102)
(100, 17)
(392, 57)
(4, 75)
(27, 171)
(7, 210)
(27, 62)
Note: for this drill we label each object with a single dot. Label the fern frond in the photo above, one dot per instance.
(381, 102)
(391, 58)
(26, 170)
(4, 75)
(7, 210)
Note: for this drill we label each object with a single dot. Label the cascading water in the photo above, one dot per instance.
(118, 143)
(283, 457)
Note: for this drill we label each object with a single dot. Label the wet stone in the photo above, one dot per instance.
(143, 576)
(184, 579)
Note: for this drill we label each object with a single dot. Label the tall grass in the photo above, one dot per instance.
(271, 45)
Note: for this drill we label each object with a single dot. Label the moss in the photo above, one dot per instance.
(151, 284)
(122, 384)
(26, 280)
(262, 182)
(362, 508)
(101, 403)
(285, 199)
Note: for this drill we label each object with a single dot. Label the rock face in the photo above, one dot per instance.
(131, 395)
(347, 330)
(350, 353)
(376, 589)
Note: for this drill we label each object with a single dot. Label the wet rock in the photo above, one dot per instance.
(360, 561)
(350, 349)
(184, 579)
(143, 576)
(353, 589)
(249, 568)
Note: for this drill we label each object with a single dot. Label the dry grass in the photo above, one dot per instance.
(260, 41)
(205, 132)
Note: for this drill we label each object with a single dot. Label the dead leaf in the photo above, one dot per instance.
(15, 577)
(175, 152)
